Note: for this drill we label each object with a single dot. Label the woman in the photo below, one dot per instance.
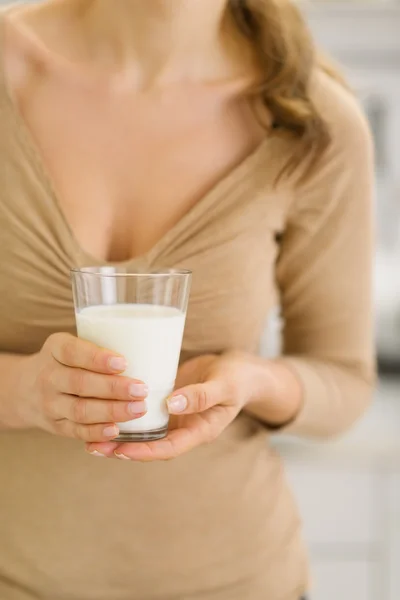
(174, 133)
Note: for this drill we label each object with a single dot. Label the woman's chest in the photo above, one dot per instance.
(229, 241)
(127, 167)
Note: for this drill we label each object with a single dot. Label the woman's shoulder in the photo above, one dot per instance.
(346, 161)
(342, 111)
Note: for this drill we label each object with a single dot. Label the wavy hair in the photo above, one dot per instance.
(288, 58)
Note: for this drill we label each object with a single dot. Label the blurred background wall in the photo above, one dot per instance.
(349, 490)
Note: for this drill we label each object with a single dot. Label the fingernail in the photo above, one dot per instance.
(177, 404)
(137, 408)
(111, 431)
(138, 390)
(121, 456)
(117, 363)
(96, 453)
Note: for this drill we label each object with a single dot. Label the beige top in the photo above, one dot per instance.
(218, 523)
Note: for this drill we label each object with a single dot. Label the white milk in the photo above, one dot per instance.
(150, 338)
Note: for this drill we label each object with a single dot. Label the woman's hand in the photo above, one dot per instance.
(212, 391)
(73, 388)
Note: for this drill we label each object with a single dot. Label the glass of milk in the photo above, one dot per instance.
(142, 317)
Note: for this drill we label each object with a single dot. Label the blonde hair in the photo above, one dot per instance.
(287, 55)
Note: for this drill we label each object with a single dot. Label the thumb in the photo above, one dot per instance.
(195, 398)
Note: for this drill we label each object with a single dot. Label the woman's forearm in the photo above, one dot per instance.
(11, 379)
(279, 396)
(312, 398)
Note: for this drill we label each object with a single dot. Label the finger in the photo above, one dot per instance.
(200, 429)
(86, 384)
(159, 450)
(102, 449)
(92, 410)
(110, 449)
(74, 352)
(196, 398)
(88, 433)
(191, 371)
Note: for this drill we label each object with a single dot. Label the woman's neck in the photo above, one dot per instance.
(169, 40)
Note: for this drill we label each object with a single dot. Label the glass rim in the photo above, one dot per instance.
(98, 272)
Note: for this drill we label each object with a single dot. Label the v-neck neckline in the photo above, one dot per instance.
(30, 145)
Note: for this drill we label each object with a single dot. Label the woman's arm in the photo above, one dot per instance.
(326, 377)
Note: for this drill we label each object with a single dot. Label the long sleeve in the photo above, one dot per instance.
(324, 275)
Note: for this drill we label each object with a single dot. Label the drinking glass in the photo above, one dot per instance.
(140, 316)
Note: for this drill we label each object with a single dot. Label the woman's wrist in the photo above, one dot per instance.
(276, 396)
